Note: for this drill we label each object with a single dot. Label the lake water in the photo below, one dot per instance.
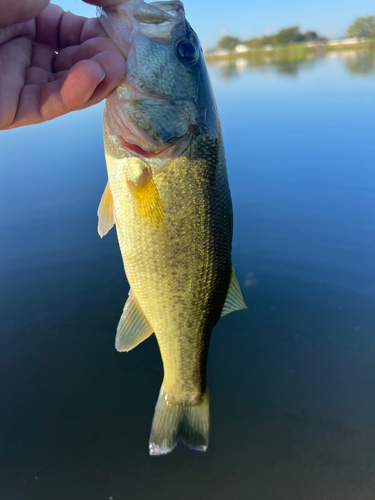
(292, 380)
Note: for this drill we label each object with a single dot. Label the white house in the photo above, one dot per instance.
(242, 48)
(346, 41)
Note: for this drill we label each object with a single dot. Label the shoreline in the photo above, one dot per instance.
(295, 51)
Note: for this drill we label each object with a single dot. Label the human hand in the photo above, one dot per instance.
(52, 62)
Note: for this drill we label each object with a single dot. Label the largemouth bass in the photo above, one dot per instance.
(169, 197)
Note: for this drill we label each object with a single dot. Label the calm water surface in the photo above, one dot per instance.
(292, 380)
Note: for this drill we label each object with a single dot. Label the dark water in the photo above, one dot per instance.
(292, 381)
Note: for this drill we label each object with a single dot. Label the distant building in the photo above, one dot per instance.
(218, 52)
(316, 43)
(346, 41)
(242, 48)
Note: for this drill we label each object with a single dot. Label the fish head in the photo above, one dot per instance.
(166, 97)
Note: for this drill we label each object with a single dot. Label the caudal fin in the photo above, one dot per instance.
(190, 423)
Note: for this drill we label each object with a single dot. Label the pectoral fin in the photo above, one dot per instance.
(133, 327)
(234, 300)
(106, 212)
(147, 202)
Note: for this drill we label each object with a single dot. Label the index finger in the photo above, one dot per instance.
(58, 29)
(103, 3)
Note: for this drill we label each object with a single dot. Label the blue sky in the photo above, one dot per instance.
(248, 19)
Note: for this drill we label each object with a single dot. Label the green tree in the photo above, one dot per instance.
(253, 43)
(363, 27)
(310, 36)
(228, 42)
(266, 40)
(288, 35)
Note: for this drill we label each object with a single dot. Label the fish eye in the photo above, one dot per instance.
(187, 52)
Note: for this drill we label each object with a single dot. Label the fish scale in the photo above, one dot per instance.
(152, 256)
(169, 193)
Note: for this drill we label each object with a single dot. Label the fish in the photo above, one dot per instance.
(168, 197)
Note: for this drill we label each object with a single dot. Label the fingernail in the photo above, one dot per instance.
(102, 78)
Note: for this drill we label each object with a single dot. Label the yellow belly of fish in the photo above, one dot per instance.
(173, 267)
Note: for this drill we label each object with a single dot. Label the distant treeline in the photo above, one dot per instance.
(362, 27)
(283, 37)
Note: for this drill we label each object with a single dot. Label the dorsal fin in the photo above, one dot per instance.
(106, 212)
(234, 300)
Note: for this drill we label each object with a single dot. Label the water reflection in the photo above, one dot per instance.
(292, 380)
(355, 62)
(288, 67)
(360, 63)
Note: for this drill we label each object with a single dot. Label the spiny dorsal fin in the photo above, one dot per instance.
(133, 327)
(234, 300)
(106, 212)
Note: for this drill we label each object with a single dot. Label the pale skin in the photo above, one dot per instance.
(52, 62)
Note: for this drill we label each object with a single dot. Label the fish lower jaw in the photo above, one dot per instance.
(164, 151)
(150, 152)
(126, 135)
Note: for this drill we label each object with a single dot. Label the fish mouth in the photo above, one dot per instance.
(135, 142)
(134, 148)
(167, 151)
(144, 142)
(142, 119)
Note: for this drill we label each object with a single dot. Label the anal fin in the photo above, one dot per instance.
(133, 327)
(106, 212)
(235, 300)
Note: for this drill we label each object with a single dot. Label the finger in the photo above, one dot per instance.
(19, 11)
(59, 29)
(92, 29)
(14, 61)
(70, 30)
(17, 30)
(103, 3)
(64, 59)
(114, 66)
(39, 103)
(43, 57)
(48, 26)
(60, 74)
(89, 49)
(79, 88)
(38, 76)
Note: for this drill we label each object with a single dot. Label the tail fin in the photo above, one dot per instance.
(171, 422)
